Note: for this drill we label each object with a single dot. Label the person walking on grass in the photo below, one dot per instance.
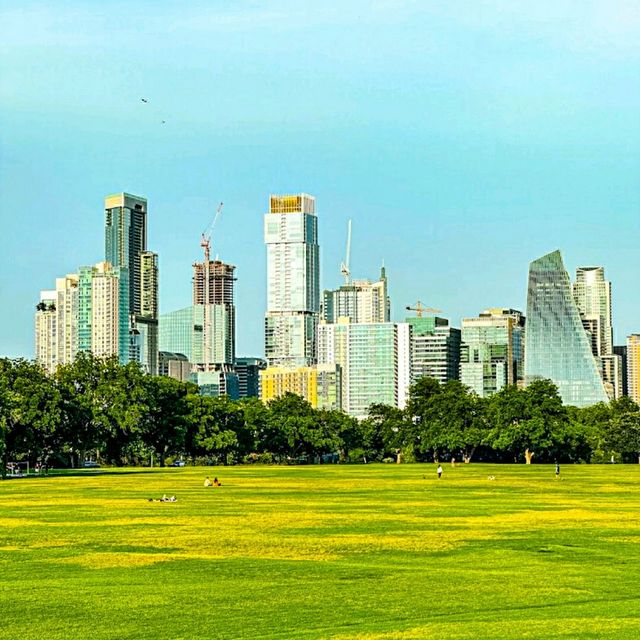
(557, 470)
(439, 470)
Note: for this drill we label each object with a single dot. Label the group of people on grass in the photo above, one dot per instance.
(215, 483)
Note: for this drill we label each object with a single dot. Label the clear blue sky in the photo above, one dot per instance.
(464, 138)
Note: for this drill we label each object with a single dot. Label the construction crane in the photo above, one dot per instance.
(205, 243)
(421, 309)
(344, 266)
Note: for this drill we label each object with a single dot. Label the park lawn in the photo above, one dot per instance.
(347, 552)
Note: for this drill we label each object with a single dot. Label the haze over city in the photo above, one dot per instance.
(464, 141)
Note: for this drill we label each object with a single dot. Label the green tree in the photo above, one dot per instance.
(164, 423)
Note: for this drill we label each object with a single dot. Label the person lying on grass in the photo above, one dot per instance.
(164, 498)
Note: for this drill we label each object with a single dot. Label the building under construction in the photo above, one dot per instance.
(221, 279)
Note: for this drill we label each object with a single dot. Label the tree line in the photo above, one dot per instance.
(115, 414)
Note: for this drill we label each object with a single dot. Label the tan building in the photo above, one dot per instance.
(633, 366)
(56, 326)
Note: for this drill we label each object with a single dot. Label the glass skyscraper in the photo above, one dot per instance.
(556, 344)
(293, 280)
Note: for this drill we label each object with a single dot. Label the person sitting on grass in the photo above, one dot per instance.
(207, 482)
(216, 482)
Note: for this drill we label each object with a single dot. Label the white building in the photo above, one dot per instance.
(375, 360)
(293, 275)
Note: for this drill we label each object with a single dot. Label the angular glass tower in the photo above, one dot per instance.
(556, 345)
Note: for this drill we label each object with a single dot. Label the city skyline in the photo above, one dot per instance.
(474, 141)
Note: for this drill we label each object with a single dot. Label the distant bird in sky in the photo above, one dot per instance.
(144, 100)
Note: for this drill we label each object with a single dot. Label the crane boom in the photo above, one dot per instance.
(421, 309)
(205, 243)
(344, 267)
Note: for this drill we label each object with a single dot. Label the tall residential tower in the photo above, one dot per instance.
(293, 275)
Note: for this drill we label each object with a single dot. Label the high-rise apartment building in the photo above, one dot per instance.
(592, 294)
(360, 301)
(435, 349)
(57, 324)
(126, 249)
(125, 239)
(375, 361)
(46, 331)
(491, 351)
(293, 275)
(103, 311)
(557, 346)
(633, 366)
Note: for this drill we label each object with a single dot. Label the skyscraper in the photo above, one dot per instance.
(435, 349)
(592, 294)
(125, 239)
(103, 305)
(46, 331)
(359, 300)
(293, 274)
(57, 324)
(557, 346)
(491, 350)
(126, 249)
(214, 297)
(633, 366)
(375, 361)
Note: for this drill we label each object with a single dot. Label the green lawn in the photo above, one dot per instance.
(379, 551)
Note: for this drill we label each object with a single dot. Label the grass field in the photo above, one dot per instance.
(379, 551)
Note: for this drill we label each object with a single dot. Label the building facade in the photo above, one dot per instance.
(174, 365)
(213, 299)
(319, 385)
(435, 349)
(293, 275)
(103, 311)
(375, 361)
(592, 294)
(633, 366)
(248, 371)
(361, 301)
(491, 350)
(126, 249)
(57, 324)
(557, 346)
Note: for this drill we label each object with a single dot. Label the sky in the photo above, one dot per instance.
(464, 139)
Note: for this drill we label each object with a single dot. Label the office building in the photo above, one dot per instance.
(319, 385)
(181, 332)
(374, 359)
(360, 300)
(248, 372)
(174, 365)
(293, 274)
(633, 366)
(556, 345)
(435, 349)
(491, 350)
